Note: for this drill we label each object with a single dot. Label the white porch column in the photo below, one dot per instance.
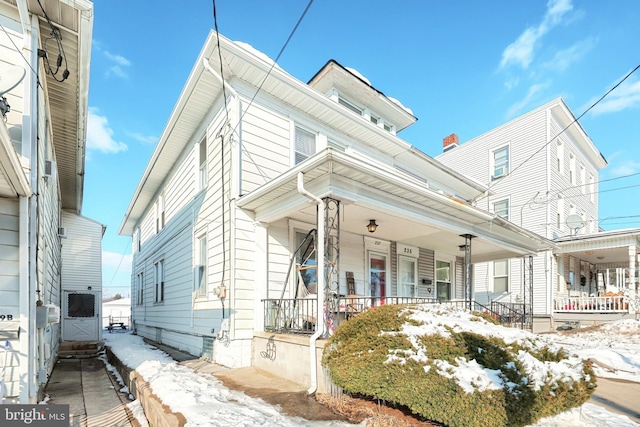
(633, 262)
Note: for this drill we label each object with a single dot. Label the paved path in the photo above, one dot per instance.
(93, 399)
(618, 396)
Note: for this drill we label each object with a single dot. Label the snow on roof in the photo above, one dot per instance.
(399, 104)
(256, 52)
(358, 75)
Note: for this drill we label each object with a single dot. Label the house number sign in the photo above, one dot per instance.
(407, 250)
(6, 317)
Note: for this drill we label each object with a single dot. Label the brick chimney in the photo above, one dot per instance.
(449, 142)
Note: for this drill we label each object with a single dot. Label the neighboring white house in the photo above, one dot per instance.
(542, 172)
(42, 149)
(116, 311)
(251, 162)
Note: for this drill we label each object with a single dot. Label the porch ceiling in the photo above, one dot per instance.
(68, 100)
(405, 209)
(609, 247)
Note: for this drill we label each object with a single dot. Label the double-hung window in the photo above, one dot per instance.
(159, 280)
(202, 163)
(140, 288)
(501, 208)
(305, 145)
(201, 268)
(501, 276)
(500, 162)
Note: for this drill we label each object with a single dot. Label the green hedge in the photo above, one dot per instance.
(360, 359)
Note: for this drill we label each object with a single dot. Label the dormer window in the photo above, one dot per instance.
(349, 105)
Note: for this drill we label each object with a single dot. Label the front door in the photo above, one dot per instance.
(81, 321)
(378, 276)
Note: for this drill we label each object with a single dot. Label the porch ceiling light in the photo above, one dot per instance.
(372, 226)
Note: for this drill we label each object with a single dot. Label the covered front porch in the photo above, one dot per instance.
(384, 236)
(598, 274)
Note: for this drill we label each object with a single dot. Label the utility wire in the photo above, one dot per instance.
(275, 61)
(566, 127)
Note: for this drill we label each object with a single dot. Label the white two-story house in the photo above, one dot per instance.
(259, 178)
(48, 250)
(542, 173)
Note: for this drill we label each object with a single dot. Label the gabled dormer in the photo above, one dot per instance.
(353, 91)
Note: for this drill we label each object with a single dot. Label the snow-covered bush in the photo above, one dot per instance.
(454, 367)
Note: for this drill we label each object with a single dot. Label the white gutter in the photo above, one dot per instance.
(320, 281)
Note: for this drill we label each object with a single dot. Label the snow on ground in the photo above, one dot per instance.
(205, 401)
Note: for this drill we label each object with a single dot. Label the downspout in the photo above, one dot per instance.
(321, 285)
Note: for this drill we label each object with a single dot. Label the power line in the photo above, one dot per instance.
(275, 61)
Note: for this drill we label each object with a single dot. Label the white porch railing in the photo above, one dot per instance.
(606, 304)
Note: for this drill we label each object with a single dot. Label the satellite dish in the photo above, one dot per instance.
(10, 76)
(574, 222)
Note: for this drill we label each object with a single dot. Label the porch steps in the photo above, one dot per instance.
(80, 349)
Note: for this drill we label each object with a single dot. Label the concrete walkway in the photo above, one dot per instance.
(93, 398)
(618, 396)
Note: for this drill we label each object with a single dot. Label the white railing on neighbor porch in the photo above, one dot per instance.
(589, 304)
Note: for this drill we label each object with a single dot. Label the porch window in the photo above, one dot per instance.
(443, 280)
(500, 162)
(407, 273)
(140, 288)
(201, 268)
(501, 208)
(501, 276)
(159, 281)
(305, 145)
(306, 263)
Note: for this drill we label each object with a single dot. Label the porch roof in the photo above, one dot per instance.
(405, 208)
(607, 247)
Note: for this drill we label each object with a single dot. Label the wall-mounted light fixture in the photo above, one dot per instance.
(372, 226)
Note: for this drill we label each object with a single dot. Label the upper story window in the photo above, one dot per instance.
(202, 163)
(160, 212)
(560, 156)
(375, 120)
(583, 179)
(560, 215)
(500, 162)
(572, 169)
(305, 145)
(592, 189)
(501, 208)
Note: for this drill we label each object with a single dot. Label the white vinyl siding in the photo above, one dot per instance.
(82, 252)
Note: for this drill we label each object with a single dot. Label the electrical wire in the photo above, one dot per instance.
(275, 61)
(563, 130)
(55, 34)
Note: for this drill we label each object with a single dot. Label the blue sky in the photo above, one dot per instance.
(463, 67)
